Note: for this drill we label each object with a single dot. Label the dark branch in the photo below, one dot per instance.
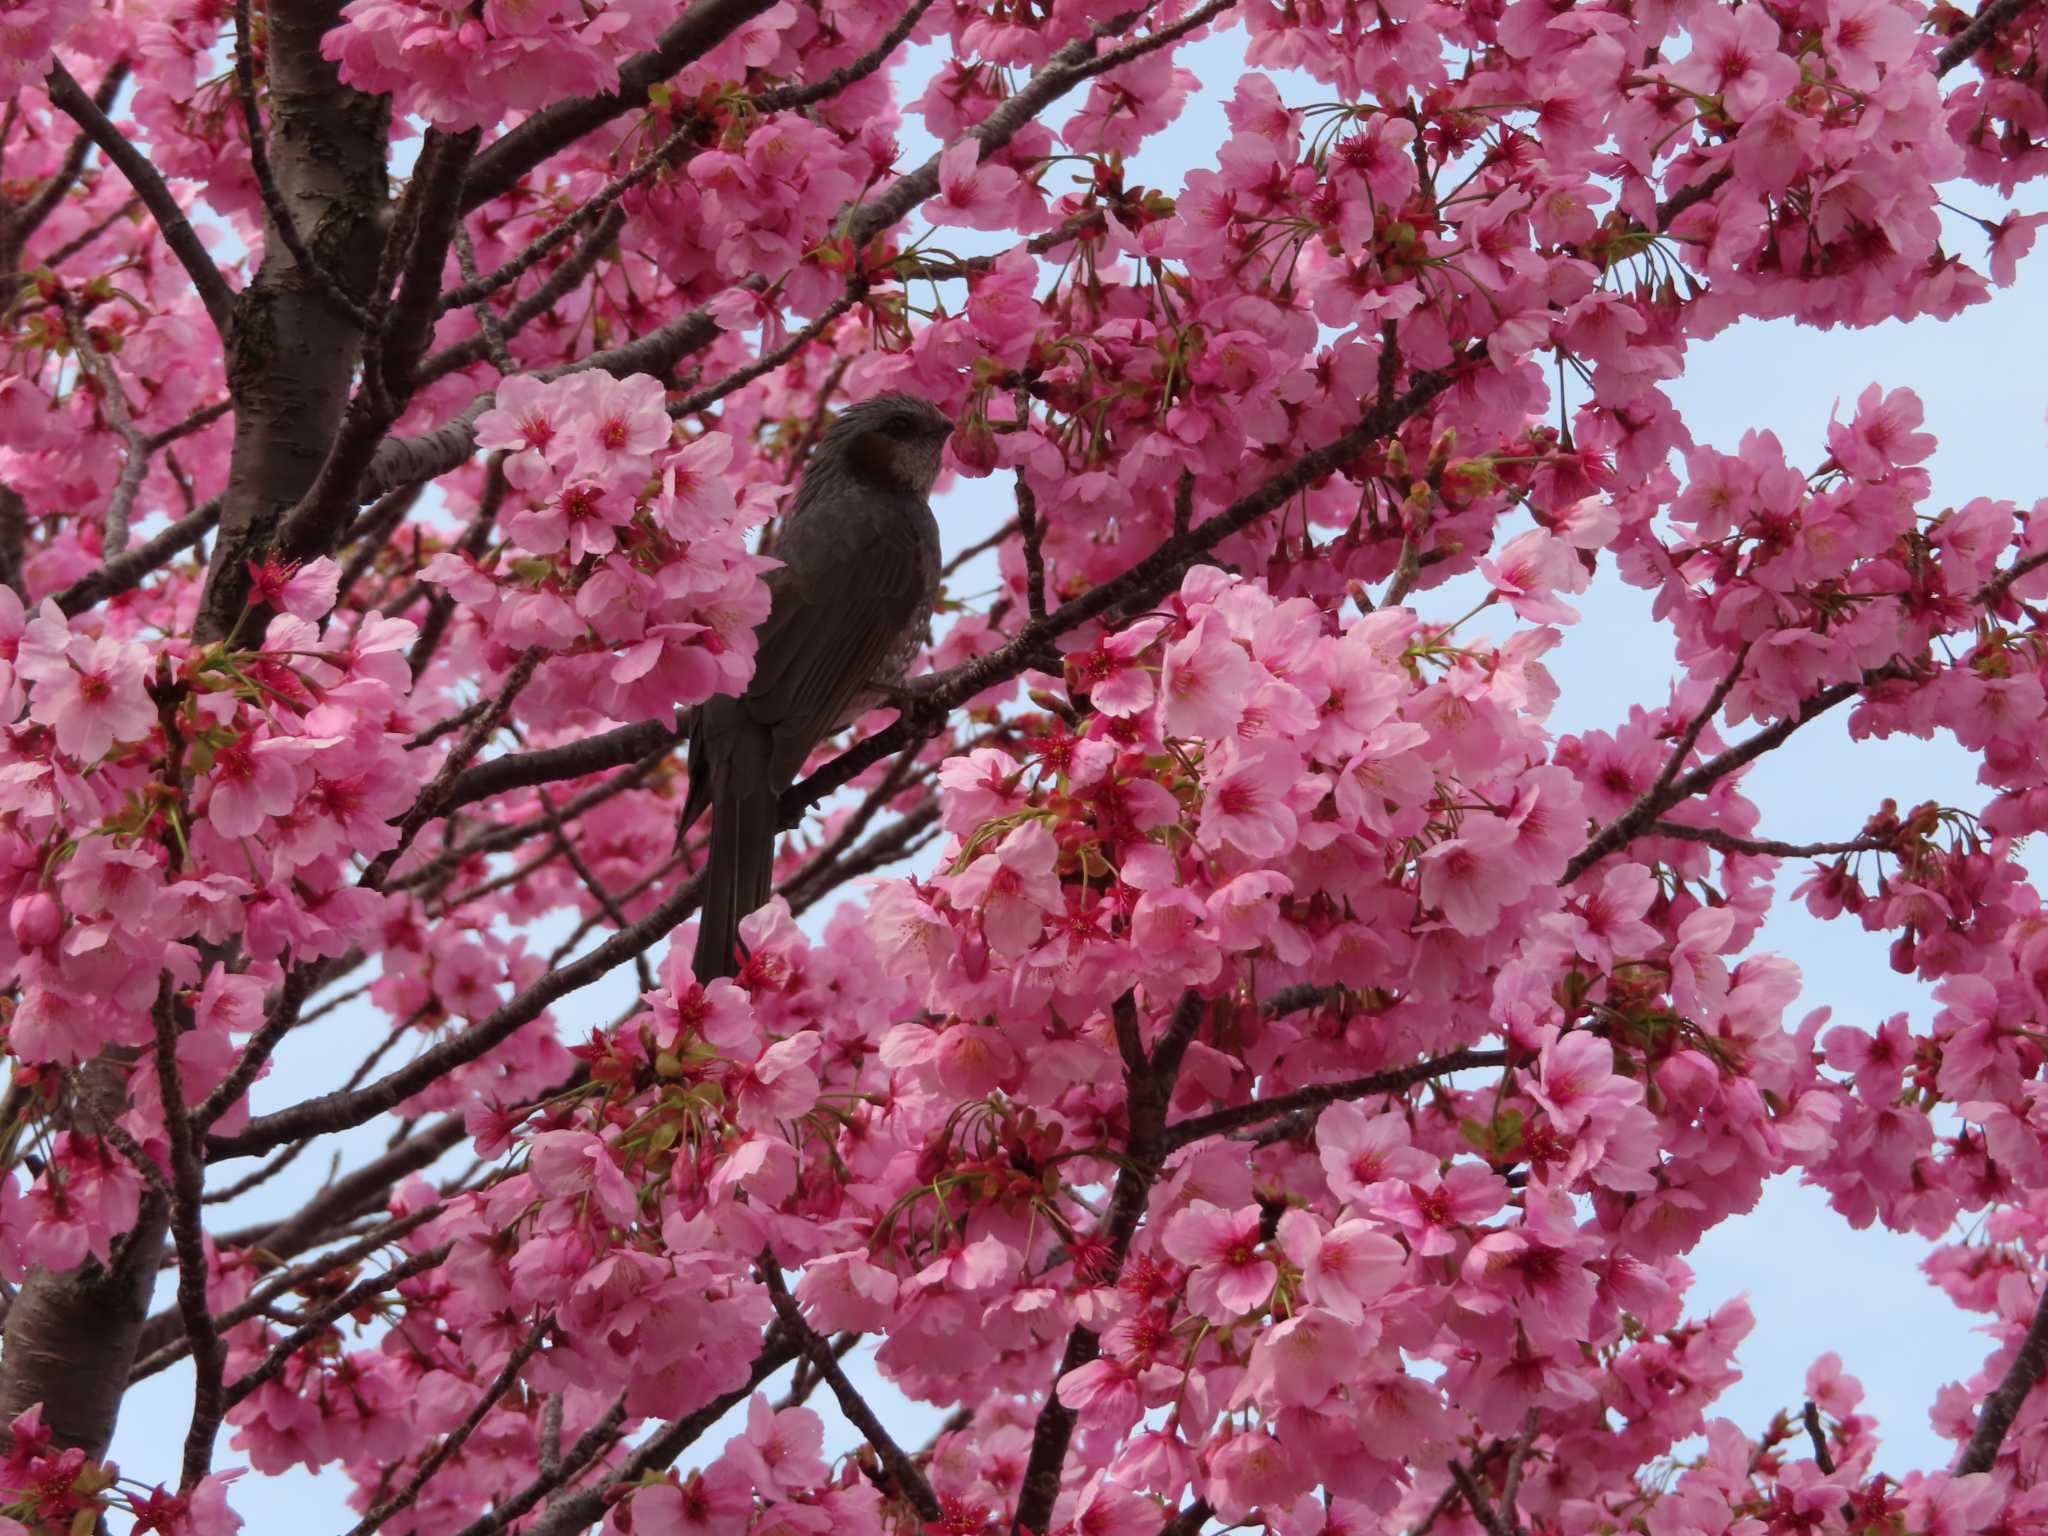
(187, 1189)
(1148, 1088)
(553, 129)
(909, 1481)
(584, 1508)
(1766, 847)
(69, 97)
(321, 1318)
(523, 770)
(1982, 27)
(1394, 1080)
(338, 1111)
(2003, 1405)
(125, 570)
(457, 1437)
(16, 230)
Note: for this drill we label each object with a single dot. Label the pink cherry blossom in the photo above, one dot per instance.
(1231, 1274)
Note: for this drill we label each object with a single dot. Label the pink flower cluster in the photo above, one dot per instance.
(1298, 1075)
(461, 70)
(638, 577)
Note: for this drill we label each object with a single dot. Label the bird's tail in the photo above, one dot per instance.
(737, 875)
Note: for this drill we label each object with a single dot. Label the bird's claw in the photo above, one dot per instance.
(913, 701)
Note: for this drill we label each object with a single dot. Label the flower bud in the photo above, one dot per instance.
(36, 920)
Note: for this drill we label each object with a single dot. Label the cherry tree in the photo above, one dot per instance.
(1213, 1048)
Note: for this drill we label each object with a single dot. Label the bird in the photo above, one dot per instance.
(850, 607)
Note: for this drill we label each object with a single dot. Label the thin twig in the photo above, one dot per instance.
(135, 464)
(17, 228)
(1652, 804)
(475, 289)
(773, 359)
(909, 1481)
(555, 287)
(90, 233)
(995, 540)
(1408, 566)
(457, 1437)
(1148, 1090)
(286, 1280)
(1034, 556)
(263, 1175)
(187, 1189)
(1518, 1458)
(1822, 1456)
(1766, 847)
(431, 801)
(205, 416)
(1476, 1501)
(486, 317)
(320, 1319)
(591, 883)
(1394, 1080)
(372, 531)
(338, 1111)
(656, 1452)
(1993, 590)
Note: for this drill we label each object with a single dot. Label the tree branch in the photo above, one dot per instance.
(187, 1190)
(17, 229)
(1072, 64)
(162, 1344)
(432, 799)
(771, 360)
(1148, 1089)
(909, 1481)
(1494, 1522)
(555, 287)
(123, 572)
(1766, 847)
(322, 1317)
(458, 1436)
(69, 97)
(553, 129)
(435, 452)
(135, 461)
(1394, 1080)
(522, 770)
(606, 902)
(1652, 804)
(2003, 1405)
(1982, 27)
(582, 1509)
(338, 1111)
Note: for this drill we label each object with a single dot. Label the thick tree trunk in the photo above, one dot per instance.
(71, 1338)
(293, 354)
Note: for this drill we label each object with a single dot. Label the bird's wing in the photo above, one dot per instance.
(828, 636)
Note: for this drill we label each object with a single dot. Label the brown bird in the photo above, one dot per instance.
(850, 607)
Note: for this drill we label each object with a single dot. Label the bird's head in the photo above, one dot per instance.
(893, 441)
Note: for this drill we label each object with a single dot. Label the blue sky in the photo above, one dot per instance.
(1814, 1284)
